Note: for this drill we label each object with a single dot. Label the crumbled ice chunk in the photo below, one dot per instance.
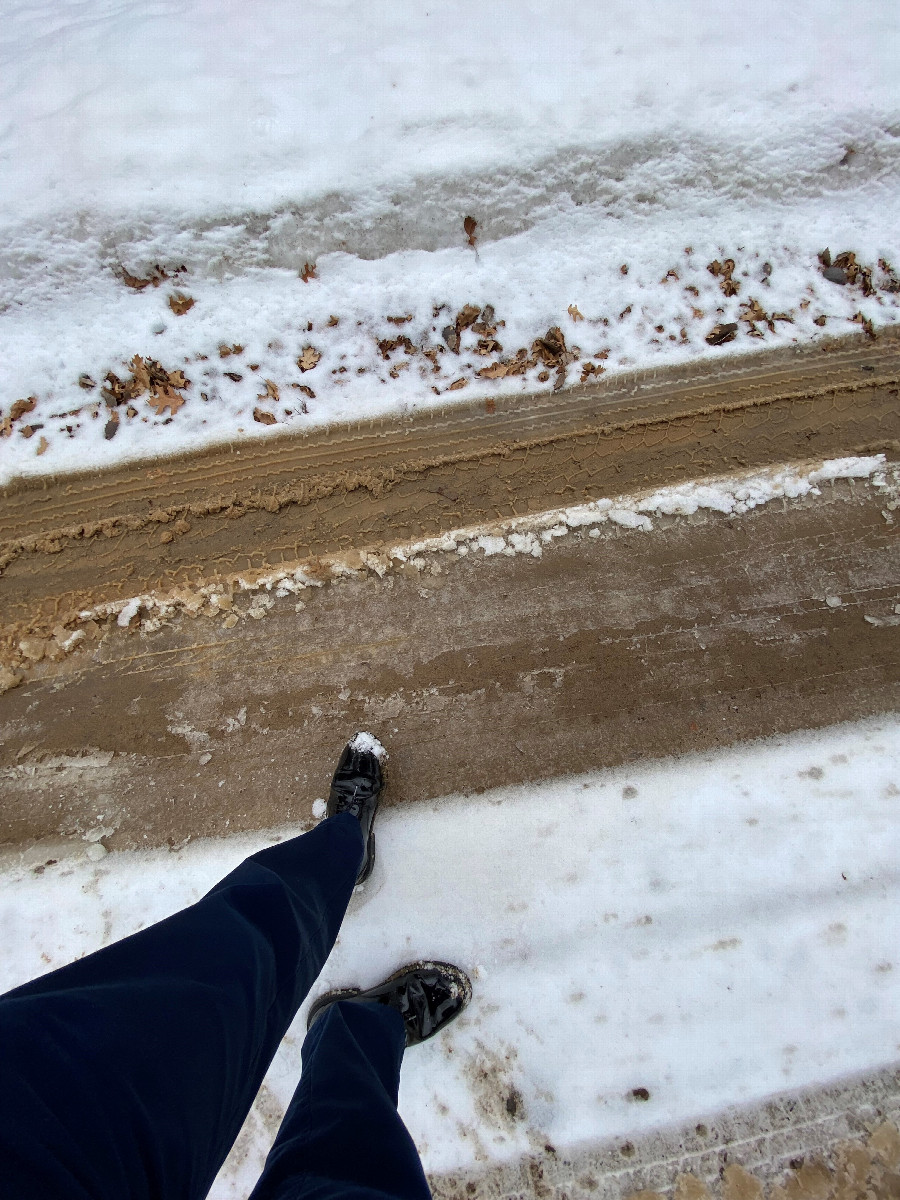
(129, 612)
(366, 741)
(319, 809)
(492, 545)
(833, 601)
(630, 519)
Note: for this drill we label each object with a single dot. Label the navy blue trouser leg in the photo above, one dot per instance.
(342, 1135)
(128, 1074)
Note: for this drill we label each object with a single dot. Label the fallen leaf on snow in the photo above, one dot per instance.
(264, 418)
(43, 445)
(722, 333)
(307, 391)
(112, 426)
(180, 303)
(308, 272)
(85, 381)
(233, 376)
(457, 384)
(399, 320)
(271, 392)
(21, 407)
(165, 398)
(308, 358)
(470, 225)
(574, 313)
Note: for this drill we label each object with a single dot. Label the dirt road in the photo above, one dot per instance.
(71, 543)
(615, 645)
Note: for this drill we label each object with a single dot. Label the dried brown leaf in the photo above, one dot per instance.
(457, 384)
(263, 417)
(308, 272)
(333, 320)
(21, 407)
(494, 371)
(140, 373)
(722, 333)
(165, 398)
(574, 313)
(399, 320)
(85, 381)
(271, 392)
(470, 225)
(43, 446)
(467, 316)
(307, 391)
(309, 358)
(180, 303)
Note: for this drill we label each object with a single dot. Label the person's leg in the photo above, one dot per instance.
(129, 1073)
(342, 1135)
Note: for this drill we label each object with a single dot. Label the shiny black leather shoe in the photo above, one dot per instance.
(427, 995)
(356, 788)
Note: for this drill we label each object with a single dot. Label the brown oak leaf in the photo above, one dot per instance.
(180, 303)
(574, 313)
(309, 358)
(165, 398)
(308, 272)
(263, 417)
(271, 392)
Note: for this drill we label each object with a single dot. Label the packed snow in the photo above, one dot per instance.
(710, 930)
(311, 168)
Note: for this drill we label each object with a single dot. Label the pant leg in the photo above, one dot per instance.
(128, 1073)
(342, 1135)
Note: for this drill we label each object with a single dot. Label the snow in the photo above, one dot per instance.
(356, 138)
(714, 929)
(367, 743)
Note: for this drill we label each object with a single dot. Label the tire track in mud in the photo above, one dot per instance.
(614, 645)
(75, 542)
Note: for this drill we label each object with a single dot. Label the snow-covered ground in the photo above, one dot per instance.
(711, 930)
(247, 144)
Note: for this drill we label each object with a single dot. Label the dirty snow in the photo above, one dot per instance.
(713, 930)
(356, 138)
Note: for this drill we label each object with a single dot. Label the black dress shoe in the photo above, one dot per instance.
(356, 788)
(427, 995)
